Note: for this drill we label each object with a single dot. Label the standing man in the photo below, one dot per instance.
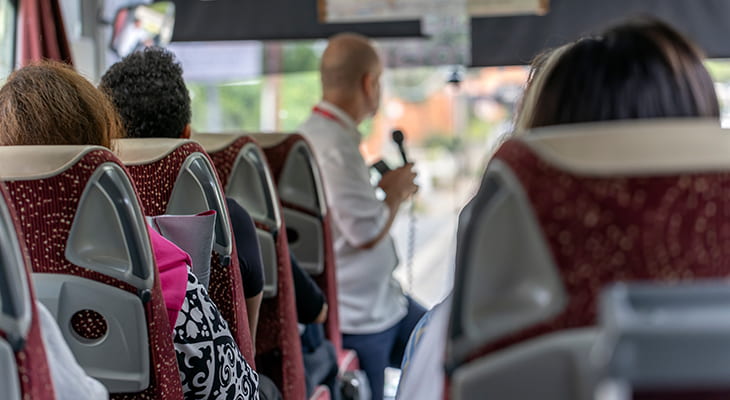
(375, 316)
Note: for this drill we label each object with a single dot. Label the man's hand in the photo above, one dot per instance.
(399, 184)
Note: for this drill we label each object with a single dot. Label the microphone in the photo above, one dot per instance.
(398, 139)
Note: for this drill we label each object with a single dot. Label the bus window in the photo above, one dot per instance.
(720, 71)
(7, 38)
(450, 128)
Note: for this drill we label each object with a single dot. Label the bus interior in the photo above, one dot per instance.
(474, 234)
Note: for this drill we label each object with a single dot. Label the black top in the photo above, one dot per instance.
(249, 251)
(309, 296)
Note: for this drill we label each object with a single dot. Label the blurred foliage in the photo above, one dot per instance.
(366, 127)
(238, 105)
(415, 85)
(445, 141)
(299, 57)
(299, 92)
(199, 107)
(478, 129)
(241, 107)
(719, 70)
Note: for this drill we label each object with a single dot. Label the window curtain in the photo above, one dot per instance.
(42, 33)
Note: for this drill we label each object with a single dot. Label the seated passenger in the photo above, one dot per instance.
(640, 69)
(422, 369)
(50, 104)
(636, 70)
(653, 72)
(148, 90)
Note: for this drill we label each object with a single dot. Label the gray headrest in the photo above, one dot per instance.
(15, 304)
(506, 279)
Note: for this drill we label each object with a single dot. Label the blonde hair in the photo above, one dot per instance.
(540, 69)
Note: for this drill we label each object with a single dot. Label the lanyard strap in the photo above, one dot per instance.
(330, 116)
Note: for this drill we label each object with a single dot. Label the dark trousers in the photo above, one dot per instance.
(320, 361)
(267, 389)
(377, 351)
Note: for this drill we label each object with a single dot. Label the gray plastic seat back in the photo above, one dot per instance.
(251, 185)
(664, 337)
(302, 195)
(8, 372)
(105, 326)
(121, 249)
(15, 305)
(552, 367)
(196, 190)
(506, 279)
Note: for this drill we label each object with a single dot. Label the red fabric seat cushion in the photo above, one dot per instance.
(327, 281)
(34, 373)
(278, 346)
(155, 182)
(46, 208)
(603, 230)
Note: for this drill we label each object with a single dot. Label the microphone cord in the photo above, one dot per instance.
(398, 137)
(411, 246)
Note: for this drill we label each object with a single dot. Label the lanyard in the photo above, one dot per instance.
(330, 116)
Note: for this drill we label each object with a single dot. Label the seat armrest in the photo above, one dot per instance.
(347, 361)
(321, 393)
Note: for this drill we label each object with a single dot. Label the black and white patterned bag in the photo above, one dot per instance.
(211, 365)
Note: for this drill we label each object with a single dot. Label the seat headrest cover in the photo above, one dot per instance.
(634, 148)
(252, 185)
(269, 139)
(645, 327)
(15, 298)
(300, 181)
(145, 151)
(37, 162)
(215, 142)
(506, 277)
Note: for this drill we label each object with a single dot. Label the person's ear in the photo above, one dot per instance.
(187, 131)
(368, 85)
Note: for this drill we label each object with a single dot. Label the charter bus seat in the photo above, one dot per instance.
(246, 178)
(245, 174)
(566, 210)
(664, 341)
(24, 371)
(305, 209)
(175, 176)
(93, 264)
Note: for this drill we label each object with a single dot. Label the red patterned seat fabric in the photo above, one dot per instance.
(327, 281)
(46, 208)
(602, 230)
(155, 182)
(33, 372)
(225, 159)
(278, 346)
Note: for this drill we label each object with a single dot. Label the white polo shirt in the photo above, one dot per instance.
(370, 299)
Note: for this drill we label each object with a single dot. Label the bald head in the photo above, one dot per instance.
(346, 61)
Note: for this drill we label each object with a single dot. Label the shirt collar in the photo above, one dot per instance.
(342, 116)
